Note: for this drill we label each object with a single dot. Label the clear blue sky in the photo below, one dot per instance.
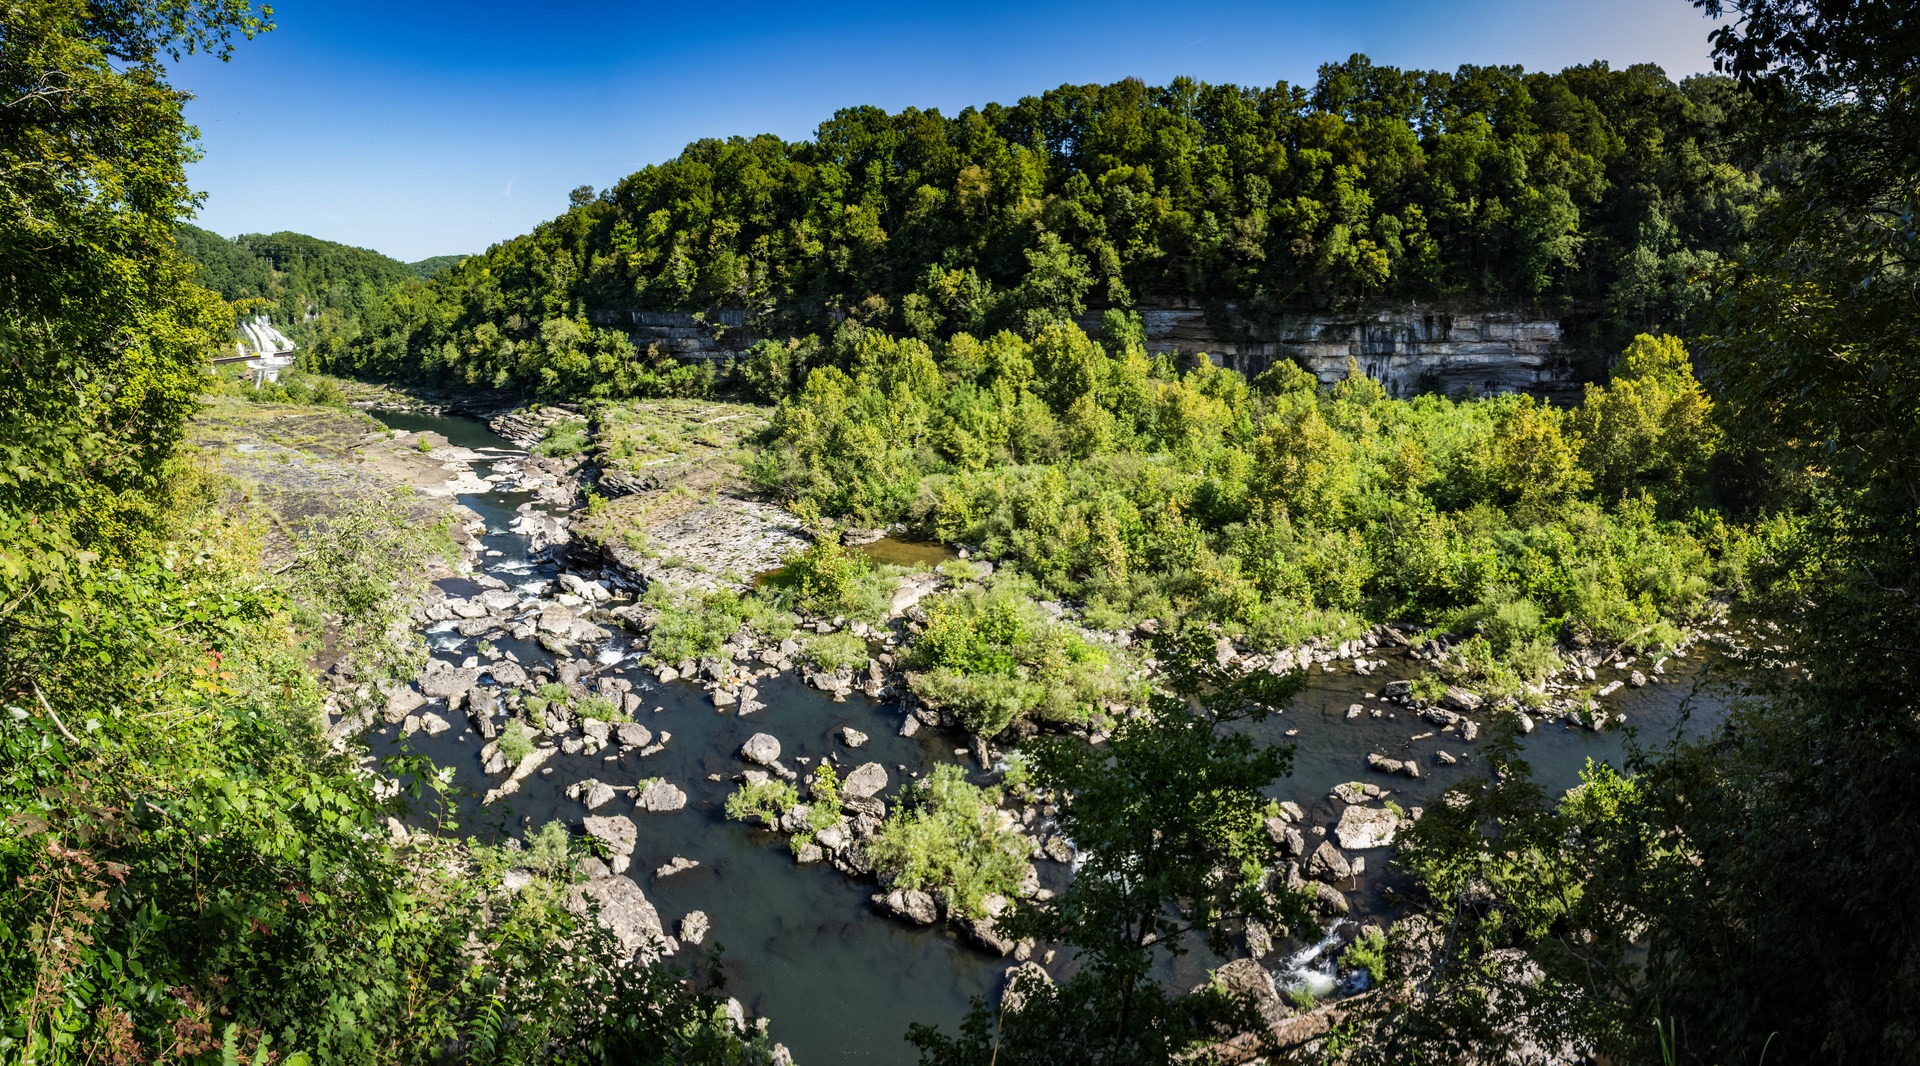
(428, 127)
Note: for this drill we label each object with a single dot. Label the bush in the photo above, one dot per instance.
(567, 437)
(762, 801)
(992, 657)
(944, 836)
(831, 651)
(1368, 952)
(516, 743)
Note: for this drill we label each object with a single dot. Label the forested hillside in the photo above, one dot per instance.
(313, 289)
(1595, 195)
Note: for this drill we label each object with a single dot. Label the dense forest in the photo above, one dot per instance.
(1596, 195)
(311, 288)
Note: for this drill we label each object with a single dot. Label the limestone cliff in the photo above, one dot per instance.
(1409, 350)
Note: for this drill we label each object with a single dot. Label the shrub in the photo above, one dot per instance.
(601, 709)
(831, 651)
(824, 796)
(516, 743)
(764, 801)
(1367, 952)
(566, 437)
(991, 657)
(944, 836)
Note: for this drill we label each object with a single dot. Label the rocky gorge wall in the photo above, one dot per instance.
(1408, 350)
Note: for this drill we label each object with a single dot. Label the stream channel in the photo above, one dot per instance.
(803, 945)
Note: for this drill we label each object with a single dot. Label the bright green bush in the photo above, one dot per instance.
(516, 741)
(944, 835)
(831, 651)
(762, 801)
(991, 657)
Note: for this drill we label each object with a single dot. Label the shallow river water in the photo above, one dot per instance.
(802, 944)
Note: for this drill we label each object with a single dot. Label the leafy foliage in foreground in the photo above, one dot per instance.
(1745, 897)
(1168, 818)
(188, 873)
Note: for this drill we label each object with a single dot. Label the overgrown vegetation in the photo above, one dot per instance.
(992, 657)
(763, 801)
(945, 836)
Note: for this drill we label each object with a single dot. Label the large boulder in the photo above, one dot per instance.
(616, 831)
(912, 904)
(1248, 981)
(632, 735)
(661, 796)
(1361, 828)
(625, 912)
(866, 780)
(1460, 699)
(1022, 980)
(555, 619)
(693, 928)
(1327, 864)
(761, 748)
(443, 680)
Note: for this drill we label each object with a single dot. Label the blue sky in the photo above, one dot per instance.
(432, 127)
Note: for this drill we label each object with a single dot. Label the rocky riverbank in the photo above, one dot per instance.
(538, 649)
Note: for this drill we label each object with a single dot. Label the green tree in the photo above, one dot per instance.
(1168, 816)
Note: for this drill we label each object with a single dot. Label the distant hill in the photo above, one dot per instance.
(427, 268)
(315, 288)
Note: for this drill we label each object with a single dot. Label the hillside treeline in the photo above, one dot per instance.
(310, 288)
(1601, 196)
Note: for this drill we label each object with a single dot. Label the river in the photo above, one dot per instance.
(802, 945)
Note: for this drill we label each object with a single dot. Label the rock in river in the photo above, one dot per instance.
(912, 904)
(616, 831)
(761, 748)
(1361, 828)
(624, 911)
(867, 779)
(1328, 864)
(693, 928)
(661, 796)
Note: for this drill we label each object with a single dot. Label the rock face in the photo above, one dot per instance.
(761, 748)
(1361, 828)
(1407, 350)
(625, 912)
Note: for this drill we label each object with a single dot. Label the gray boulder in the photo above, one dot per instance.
(660, 797)
(625, 911)
(693, 928)
(1327, 864)
(1361, 828)
(1249, 982)
(866, 780)
(761, 748)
